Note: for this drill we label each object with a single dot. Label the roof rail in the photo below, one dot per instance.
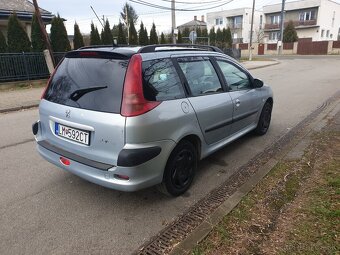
(152, 48)
(106, 46)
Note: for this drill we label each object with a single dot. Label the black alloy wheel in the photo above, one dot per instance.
(180, 169)
(264, 120)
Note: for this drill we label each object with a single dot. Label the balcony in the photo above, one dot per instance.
(235, 26)
(297, 23)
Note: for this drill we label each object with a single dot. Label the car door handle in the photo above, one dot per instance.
(237, 103)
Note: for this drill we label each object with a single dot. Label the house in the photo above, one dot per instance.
(315, 20)
(24, 10)
(239, 22)
(193, 25)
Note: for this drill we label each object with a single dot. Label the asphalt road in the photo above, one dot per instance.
(44, 210)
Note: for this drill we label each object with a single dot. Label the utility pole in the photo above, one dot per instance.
(281, 26)
(98, 17)
(127, 23)
(43, 30)
(251, 33)
(173, 21)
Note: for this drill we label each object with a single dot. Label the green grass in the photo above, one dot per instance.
(315, 233)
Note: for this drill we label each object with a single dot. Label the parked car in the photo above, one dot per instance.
(128, 118)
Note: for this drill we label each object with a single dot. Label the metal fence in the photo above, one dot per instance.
(25, 66)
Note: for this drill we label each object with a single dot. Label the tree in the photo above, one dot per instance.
(17, 39)
(131, 14)
(143, 35)
(121, 34)
(94, 35)
(212, 36)
(153, 34)
(133, 38)
(78, 40)
(162, 38)
(289, 33)
(3, 43)
(179, 37)
(219, 38)
(38, 43)
(228, 38)
(107, 34)
(59, 38)
(146, 36)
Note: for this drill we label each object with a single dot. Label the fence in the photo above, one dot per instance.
(24, 66)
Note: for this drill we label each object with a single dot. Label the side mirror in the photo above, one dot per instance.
(258, 83)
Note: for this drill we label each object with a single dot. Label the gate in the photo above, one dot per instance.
(260, 49)
(312, 48)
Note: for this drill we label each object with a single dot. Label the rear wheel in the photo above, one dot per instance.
(180, 169)
(264, 120)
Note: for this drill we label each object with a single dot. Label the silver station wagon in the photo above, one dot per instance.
(128, 118)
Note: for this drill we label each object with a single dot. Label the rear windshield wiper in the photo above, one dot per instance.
(80, 92)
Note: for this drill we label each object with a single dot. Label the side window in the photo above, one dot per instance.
(235, 77)
(201, 75)
(161, 81)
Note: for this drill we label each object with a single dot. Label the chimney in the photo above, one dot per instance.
(195, 18)
(202, 18)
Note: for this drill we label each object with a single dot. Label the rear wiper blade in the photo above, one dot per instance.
(80, 92)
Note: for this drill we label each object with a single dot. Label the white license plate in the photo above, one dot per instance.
(73, 134)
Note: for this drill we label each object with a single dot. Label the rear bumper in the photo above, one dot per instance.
(141, 176)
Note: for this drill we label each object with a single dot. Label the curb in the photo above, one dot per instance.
(18, 108)
(258, 67)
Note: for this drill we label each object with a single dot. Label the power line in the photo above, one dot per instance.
(141, 2)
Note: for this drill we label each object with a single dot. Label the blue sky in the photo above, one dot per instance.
(80, 11)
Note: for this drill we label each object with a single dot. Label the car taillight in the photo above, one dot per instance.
(134, 103)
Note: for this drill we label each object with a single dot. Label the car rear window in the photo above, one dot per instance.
(89, 83)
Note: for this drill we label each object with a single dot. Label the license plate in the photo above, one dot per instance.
(73, 134)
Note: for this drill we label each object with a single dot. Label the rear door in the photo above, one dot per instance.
(212, 104)
(246, 99)
(80, 111)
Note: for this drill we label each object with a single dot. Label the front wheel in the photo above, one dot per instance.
(264, 120)
(180, 169)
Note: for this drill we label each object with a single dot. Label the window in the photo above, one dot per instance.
(88, 83)
(327, 33)
(160, 81)
(235, 77)
(274, 36)
(307, 15)
(200, 75)
(322, 32)
(238, 21)
(219, 21)
(275, 19)
(261, 21)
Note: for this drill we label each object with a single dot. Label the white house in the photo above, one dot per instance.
(239, 21)
(315, 20)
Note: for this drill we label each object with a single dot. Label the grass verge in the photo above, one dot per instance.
(294, 210)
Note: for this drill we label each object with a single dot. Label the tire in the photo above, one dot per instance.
(264, 120)
(180, 169)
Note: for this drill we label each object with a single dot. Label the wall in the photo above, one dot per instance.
(269, 49)
(328, 10)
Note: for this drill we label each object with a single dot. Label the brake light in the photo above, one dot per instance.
(134, 103)
(88, 54)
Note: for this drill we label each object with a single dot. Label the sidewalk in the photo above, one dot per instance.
(14, 100)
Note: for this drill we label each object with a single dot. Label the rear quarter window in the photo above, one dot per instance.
(161, 81)
(88, 83)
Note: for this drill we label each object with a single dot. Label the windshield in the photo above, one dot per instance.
(88, 83)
